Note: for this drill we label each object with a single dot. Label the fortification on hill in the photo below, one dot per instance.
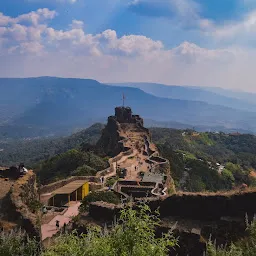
(129, 143)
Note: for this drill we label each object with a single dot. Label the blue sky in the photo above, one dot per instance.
(193, 42)
(148, 17)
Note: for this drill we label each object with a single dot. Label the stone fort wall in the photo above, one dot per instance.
(208, 206)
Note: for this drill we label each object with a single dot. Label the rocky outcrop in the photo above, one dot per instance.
(22, 205)
(111, 141)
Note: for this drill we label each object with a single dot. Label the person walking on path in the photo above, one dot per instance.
(57, 224)
(64, 227)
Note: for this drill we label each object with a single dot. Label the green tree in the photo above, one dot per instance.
(84, 170)
(133, 235)
(228, 178)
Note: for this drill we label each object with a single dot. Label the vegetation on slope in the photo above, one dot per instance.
(207, 161)
(193, 157)
(33, 151)
(71, 163)
(105, 196)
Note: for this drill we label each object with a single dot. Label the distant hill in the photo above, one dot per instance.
(56, 106)
(216, 96)
(200, 128)
(245, 96)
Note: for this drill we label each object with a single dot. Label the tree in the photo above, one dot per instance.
(133, 235)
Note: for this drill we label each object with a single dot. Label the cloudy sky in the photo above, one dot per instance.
(180, 42)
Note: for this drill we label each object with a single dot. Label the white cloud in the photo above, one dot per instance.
(35, 18)
(237, 30)
(185, 13)
(77, 24)
(42, 50)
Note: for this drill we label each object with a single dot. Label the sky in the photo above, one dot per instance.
(174, 42)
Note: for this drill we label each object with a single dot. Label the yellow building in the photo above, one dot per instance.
(73, 191)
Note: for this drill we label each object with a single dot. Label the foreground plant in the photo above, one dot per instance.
(17, 243)
(244, 247)
(133, 235)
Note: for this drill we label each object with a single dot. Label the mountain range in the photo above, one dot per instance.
(53, 106)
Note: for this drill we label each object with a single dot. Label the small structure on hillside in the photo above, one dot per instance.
(74, 191)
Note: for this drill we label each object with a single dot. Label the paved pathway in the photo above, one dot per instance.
(48, 230)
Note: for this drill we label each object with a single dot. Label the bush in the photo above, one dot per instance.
(84, 170)
(34, 205)
(17, 243)
(244, 247)
(105, 196)
(133, 235)
(111, 181)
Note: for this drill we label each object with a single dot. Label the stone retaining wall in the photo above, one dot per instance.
(208, 207)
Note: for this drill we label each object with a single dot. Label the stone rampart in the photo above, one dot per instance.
(208, 207)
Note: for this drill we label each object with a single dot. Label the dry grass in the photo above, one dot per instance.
(252, 173)
(6, 225)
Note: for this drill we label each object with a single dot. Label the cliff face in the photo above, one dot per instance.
(109, 142)
(21, 205)
(113, 134)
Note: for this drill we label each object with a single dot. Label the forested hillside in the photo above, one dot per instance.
(74, 162)
(199, 161)
(208, 161)
(33, 151)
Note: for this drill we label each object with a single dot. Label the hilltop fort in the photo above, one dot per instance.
(144, 172)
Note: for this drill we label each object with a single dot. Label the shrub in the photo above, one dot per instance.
(84, 170)
(34, 205)
(17, 243)
(244, 247)
(111, 181)
(105, 196)
(133, 235)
